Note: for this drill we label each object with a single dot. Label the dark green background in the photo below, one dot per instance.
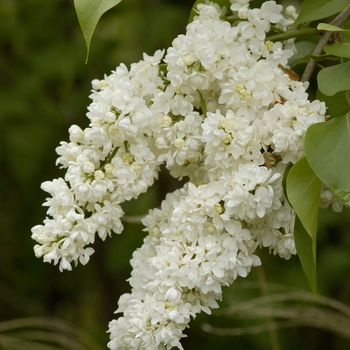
(44, 89)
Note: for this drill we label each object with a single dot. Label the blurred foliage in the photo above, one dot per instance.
(44, 89)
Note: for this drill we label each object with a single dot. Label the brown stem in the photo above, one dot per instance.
(338, 21)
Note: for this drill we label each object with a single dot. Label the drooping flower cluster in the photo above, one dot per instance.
(219, 108)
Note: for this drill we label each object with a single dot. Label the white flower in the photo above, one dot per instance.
(241, 6)
(220, 112)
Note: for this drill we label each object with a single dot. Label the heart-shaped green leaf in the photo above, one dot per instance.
(304, 245)
(89, 13)
(327, 148)
(337, 105)
(340, 50)
(303, 190)
(334, 79)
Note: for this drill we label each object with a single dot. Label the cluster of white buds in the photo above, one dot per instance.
(219, 108)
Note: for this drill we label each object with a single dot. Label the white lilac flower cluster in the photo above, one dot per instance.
(219, 108)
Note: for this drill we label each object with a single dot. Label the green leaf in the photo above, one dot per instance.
(312, 10)
(347, 96)
(334, 79)
(346, 25)
(304, 48)
(193, 13)
(340, 50)
(327, 148)
(331, 28)
(304, 246)
(337, 105)
(303, 189)
(89, 13)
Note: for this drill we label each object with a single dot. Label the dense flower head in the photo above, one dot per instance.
(216, 108)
